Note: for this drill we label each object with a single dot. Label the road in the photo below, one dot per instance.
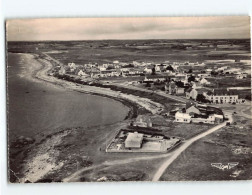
(75, 176)
(184, 146)
(244, 114)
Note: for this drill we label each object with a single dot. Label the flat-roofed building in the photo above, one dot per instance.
(134, 140)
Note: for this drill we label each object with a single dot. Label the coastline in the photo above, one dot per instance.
(135, 102)
(31, 161)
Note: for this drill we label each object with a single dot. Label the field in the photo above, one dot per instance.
(156, 51)
(82, 150)
(230, 144)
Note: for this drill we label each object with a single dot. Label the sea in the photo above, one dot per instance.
(35, 106)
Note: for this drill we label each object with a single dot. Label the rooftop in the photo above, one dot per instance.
(134, 137)
(222, 92)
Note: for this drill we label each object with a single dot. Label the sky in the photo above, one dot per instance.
(225, 27)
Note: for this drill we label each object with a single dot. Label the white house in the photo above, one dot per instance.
(157, 68)
(148, 70)
(62, 71)
(116, 62)
(102, 68)
(182, 117)
(241, 76)
(72, 65)
(82, 74)
(196, 85)
(193, 93)
(204, 75)
(221, 96)
(204, 81)
(154, 78)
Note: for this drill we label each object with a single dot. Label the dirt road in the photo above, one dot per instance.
(75, 176)
(184, 146)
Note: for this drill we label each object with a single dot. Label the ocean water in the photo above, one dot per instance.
(35, 106)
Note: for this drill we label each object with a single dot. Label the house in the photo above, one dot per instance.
(232, 71)
(157, 68)
(191, 110)
(209, 120)
(72, 65)
(241, 76)
(218, 118)
(148, 70)
(196, 85)
(195, 92)
(172, 87)
(116, 62)
(83, 74)
(220, 96)
(134, 140)
(143, 121)
(204, 75)
(154, 78)
(179, 90)
(204, 114)
(102, 68)
(124, 73)
(182, 117)
(62, 70)
(204, 81)
(187, 93)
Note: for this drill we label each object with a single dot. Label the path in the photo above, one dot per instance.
(183, 147)
(114, 162)
(242, 112)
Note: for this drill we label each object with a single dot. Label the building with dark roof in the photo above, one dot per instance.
(221, 96)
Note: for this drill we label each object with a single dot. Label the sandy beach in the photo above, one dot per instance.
(149, 105)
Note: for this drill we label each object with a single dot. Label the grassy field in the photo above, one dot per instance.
(216, 148)
(156, 51)
(85, 147)
(182, 130)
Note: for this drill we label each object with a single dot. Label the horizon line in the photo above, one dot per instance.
(127, 39)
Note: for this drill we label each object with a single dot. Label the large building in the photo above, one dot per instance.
(200, 114)
(134, 140)
(221, 96)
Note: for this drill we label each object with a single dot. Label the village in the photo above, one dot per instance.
(195, 81)
(197, 85)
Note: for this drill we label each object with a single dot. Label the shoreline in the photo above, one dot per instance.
(127, 99)
(32, 158)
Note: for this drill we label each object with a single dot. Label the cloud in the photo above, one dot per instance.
(129, 28)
